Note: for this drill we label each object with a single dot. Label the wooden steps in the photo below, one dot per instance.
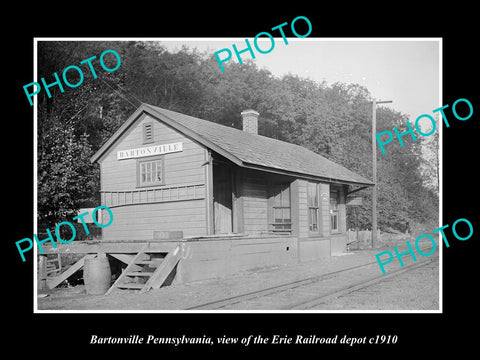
(153, 262)
(163, 270)
(132, 286)
(140, 273)
(147, 270)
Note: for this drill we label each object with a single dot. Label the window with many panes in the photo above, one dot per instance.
(282, 219)
(151, 172)
(334, 200)
(312, 200)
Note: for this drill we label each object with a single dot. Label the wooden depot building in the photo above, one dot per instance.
(216, 200)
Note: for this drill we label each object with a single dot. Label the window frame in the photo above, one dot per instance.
(151, 159)
(315, 205)
(285, 226)
(335, 214)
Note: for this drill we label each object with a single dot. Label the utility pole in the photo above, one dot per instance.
(374, 164)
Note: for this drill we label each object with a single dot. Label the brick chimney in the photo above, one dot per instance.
(250, 121)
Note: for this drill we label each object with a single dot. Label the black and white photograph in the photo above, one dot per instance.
(298, 181)
(239, 187)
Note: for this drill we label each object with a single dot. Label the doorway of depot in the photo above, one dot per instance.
(222, 199)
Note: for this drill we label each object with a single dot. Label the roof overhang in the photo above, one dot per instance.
(306, 176)
(145, 109)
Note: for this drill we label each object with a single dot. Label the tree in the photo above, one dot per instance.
(65, 179)
(332, 120)
(430, 159)
(70, 129)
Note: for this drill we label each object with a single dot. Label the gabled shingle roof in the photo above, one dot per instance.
(246, 149)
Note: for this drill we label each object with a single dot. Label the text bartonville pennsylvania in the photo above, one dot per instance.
(246, 341)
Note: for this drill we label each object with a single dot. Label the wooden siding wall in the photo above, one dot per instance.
(180, 168)
(342, 210)
(339, 240)
(324, 221)
(302, 209)
(138, 221)
(255, 202)
(324, 209)
(315, 246)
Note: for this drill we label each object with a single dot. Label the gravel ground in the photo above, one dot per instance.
(417, 290)
(183, 296)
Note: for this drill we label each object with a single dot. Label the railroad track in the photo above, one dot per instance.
(310, 303)
(313, 290)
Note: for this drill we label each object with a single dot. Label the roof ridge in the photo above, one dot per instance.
(246, 149)
(302, 147)
(233, 128)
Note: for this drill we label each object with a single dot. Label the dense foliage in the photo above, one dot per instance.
(332, 120)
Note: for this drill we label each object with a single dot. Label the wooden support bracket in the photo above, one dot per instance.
(66, 274)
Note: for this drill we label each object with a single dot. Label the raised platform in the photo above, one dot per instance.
(155, 245)
(109, 247)
(214, 256)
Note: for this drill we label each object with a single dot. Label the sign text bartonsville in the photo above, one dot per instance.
(149, 151)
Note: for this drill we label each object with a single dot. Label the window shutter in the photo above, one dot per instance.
(147, 133)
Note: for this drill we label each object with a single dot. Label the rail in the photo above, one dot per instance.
(310, 302)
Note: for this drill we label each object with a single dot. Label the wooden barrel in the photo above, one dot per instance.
(97, 274)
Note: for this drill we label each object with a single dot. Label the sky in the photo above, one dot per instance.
(406, 71)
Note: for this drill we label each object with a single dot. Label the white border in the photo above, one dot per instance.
(35, 129)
